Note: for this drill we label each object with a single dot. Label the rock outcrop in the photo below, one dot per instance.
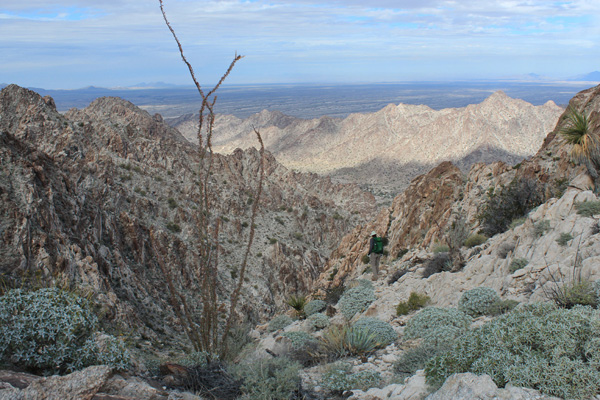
(99, 197)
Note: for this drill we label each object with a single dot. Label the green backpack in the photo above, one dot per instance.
(378, 245)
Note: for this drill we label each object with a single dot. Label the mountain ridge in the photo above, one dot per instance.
(400, 135)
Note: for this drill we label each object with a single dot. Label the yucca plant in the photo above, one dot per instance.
(585, 143)
(342, 341)
(297, 303)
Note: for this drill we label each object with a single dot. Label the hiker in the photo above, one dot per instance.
(375, 252)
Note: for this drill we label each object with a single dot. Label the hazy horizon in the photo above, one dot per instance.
(314, 100)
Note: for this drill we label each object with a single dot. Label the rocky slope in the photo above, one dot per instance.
(419, 217)
(554, 245)
(386, 149)
(98, 197)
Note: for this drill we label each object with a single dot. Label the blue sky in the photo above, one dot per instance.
(77, 43)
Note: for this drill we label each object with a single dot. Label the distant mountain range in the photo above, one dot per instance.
(384, 150)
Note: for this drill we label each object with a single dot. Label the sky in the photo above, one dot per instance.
(71, 44)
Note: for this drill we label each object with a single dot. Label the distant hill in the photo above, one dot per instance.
(591, 77)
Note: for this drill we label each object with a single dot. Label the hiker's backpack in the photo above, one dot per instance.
(378, 245)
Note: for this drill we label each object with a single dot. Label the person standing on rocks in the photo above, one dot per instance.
(375, 252)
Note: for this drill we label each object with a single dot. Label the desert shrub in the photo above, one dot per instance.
(297, 303)
(587, 208)
(438, 263)
(333, 294)
(213, 381)
(475, 240)
(539, 346)
(505, 249)
(299, 339)
(342, 341)
(401, 253)
(365, 259)
(476, 302)
(338, 378)
(438, 326)
(577, 291)
(272, 379)
(517, 222)
(356, 300)
(513, 201)
(540, 228)
(384, 333)
(416, 358)
(415, 301)
(279, 322)
(502, 307)
(54, 331)
(517, 263)
(173, 227)
(441, 249)
(397, 274)
(315, 306)
(318, 321)
(237, 339)
(172, 203)
(564, 239)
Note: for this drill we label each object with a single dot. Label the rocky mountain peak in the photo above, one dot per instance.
(384, 150)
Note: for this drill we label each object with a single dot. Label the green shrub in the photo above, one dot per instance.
(365, 259)
(437, 326)
(513, 201)
(318, 321)
(356, 300)
(54, 331)
(172, 203)
(587, 208)
(299, 339)
(564, 239)
(517, 222)
(338, 378)
(517, 263)
(539, 346)
(476, 302)
(173, 227)
(540, 228)
(314, 306)
(475, 240)
(384, 333)
(441, 249)
(279, 322)
(272, 379)
(575, 292)
(415, 301)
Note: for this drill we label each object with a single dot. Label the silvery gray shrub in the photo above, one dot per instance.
(478, 301)
(54, 331)
(539, 346)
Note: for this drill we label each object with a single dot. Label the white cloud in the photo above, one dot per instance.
(120, 36)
